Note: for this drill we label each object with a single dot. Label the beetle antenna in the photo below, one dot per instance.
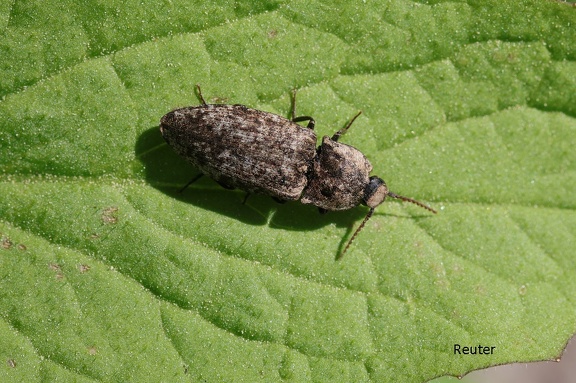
(356, 233)
(337, 135)
(401, 197)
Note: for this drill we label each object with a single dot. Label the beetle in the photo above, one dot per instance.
(261, 152)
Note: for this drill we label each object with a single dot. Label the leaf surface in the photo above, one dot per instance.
(109, 274)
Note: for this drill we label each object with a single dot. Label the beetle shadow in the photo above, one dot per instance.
(167, 172)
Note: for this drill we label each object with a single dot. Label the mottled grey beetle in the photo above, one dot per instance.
(261, 152)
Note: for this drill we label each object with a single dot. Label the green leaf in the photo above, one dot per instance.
(107, 273)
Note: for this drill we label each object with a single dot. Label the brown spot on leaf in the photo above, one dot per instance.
(58, 269)
(110, 215)
(6, 243)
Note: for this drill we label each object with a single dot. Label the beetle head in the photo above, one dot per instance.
(375, 193)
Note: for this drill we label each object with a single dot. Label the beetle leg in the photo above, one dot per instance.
(200, 94)
(293, 101)
(191, 182)
(311, 122)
